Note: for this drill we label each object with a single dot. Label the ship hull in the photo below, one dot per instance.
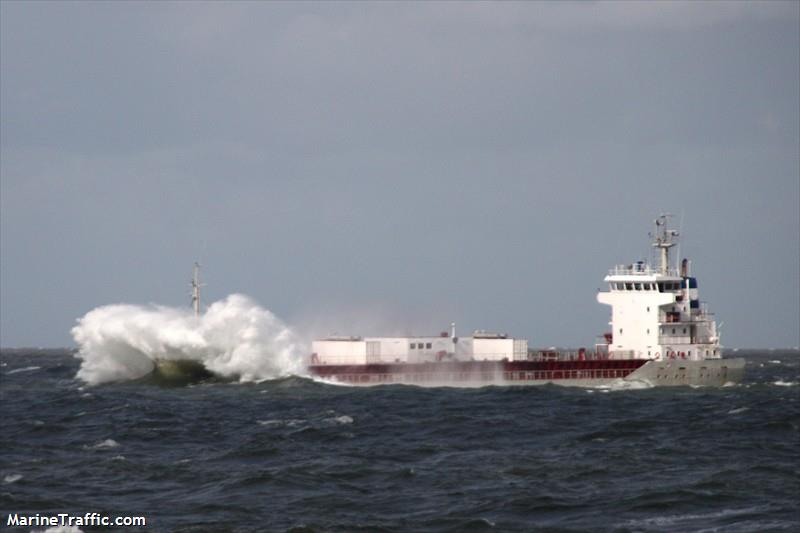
(589, 373)
(705, 373)
(179, 371)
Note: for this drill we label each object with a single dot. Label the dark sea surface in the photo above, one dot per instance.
(294, 454)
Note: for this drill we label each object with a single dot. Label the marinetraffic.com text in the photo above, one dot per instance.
(66, 520)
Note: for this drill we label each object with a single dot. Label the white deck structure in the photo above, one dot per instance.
(482, 346)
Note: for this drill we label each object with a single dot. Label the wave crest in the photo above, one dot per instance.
(234, 338)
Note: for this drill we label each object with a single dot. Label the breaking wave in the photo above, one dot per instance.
(235, 338)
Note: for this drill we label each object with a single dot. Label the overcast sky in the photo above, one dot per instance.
(381, 168)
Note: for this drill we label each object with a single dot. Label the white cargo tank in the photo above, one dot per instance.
(356, 350)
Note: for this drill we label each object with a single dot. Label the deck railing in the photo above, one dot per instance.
(485, 377)
(640, 270)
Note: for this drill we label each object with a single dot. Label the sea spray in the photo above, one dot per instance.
(234, 338)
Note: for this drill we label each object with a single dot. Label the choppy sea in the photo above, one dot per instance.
(297, 455)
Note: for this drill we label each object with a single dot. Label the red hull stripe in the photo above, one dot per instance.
(480, 370)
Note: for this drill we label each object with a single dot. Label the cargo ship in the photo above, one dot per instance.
(661, 335)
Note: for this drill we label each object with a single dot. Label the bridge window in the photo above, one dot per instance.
(629, 286)
(620, 331)
(413, 345)
(428, 345)
(638, 286)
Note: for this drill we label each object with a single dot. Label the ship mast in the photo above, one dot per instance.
(196, 289)
(664, 239)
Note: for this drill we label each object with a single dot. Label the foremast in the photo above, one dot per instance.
(196, 289)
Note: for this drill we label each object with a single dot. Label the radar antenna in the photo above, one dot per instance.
(664, 239)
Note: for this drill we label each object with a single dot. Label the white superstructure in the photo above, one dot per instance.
(655, 311)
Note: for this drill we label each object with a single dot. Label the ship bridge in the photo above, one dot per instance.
(655, 310)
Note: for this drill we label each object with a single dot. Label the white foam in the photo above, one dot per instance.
(26, 369)
(12, 478)
(344, 419)
(625, 384)
(782, 383)
(234, 338)
(775, 361)
(291, 422)
(317, 379)
(683, 521)
(738, 410)
(108, 443)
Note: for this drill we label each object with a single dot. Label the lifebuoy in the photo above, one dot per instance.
(658, 355)
(672, 355)
(683, 355)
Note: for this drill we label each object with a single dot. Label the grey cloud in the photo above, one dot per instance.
(473, 161)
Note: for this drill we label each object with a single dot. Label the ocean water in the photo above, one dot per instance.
(292, 454)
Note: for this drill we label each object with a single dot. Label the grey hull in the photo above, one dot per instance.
(677, 372)
(179, 371)
(669, 373)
